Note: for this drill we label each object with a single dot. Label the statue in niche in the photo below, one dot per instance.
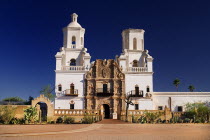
(116, 88)
(91, 88)
(104, 62)
(116, 72)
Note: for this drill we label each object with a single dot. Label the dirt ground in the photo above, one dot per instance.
(106, 130)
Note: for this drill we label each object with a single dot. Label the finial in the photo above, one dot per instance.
(74, 17)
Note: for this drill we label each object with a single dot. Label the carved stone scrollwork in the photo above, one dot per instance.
(105, 74)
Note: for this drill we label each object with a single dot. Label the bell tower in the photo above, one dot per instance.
(133, 39)
(72, 63)
(73, 34)
(136, 62)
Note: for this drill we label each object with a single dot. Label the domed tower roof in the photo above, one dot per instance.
(74, 22)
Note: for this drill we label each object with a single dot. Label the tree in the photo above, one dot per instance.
(199, 112)
(13, 99)
(191, 88)
(30, 114)
(128, 101)
(47, 91)
(30, 98)
(176, 83)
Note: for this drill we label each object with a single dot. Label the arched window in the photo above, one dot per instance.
(71, 88)
(81, 40)
(148, 90)
(136, 90)
(72, 62)
(134, 44)
(73, 41)
(135, 63)
(59, 87)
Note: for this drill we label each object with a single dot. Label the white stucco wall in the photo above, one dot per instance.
(64, 102)
(144, 104)
(66, 78)
(178, 99)
(142, 80)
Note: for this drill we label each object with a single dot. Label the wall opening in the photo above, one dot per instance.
(160, 107)
(134, 44)
(106, 111)
(136, 106)
(136, 90)
(59, 87)
(71, 106)
(73, 40)
(148, 90)
(135, 63)
(73, 62)
(42, 111)
(72, 88)
(105, 88)
(180, 108)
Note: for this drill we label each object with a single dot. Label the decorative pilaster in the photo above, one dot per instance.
(89, 102)
(96, 102)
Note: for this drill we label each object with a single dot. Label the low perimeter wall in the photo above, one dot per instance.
(19, 109)
(78, 114)
(165, 114)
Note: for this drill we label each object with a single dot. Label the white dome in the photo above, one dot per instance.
(74, 24)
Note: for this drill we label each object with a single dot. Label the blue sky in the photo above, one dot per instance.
(177, 35)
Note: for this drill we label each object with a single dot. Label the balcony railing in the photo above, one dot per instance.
(104, 92)
(134, 93)
(73, 68)
(70, 92)
(73, 46)
(137, 69)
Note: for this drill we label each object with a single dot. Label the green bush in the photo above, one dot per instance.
(198, 121)
(142, 119)
(199, 112)
(69, 120)
(59, 120)
(87, 120)
(30, 115)
(17, 121)
(187, 120)
(152, 117)
(175, 119)
(159, 121)
(135, 119)
(6, 114)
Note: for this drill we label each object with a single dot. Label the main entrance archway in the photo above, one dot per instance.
(106, 112)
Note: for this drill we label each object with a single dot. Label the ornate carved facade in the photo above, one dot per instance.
(105, 87)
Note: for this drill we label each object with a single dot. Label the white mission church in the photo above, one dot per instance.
(104, 84)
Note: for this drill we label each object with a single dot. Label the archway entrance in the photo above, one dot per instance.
(106, 111)
(42, 111)
(49, 106)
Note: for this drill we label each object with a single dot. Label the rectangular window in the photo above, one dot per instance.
(136, 106)
(148, 89)
(180, 109)
(71, 106)
(160, 107)
(59, 88)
